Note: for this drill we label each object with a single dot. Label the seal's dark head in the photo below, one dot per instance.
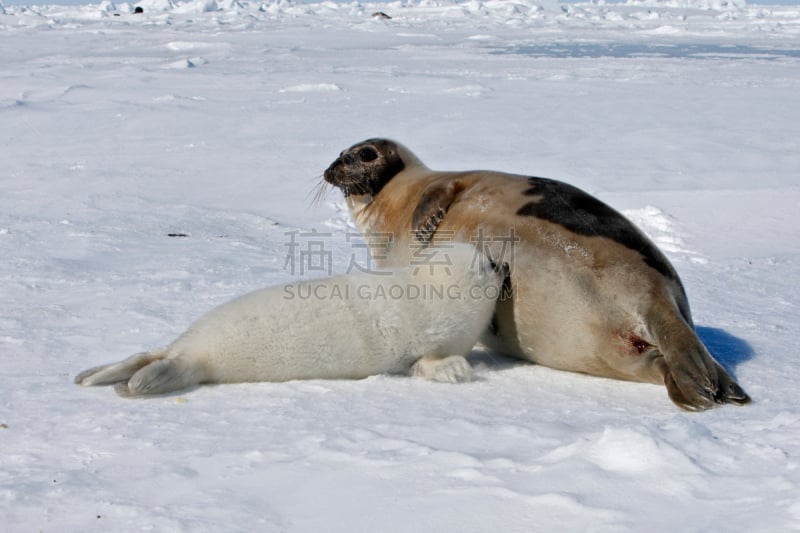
(366, 167)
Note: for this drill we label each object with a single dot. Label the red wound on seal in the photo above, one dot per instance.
(639, 344)
(636, 344)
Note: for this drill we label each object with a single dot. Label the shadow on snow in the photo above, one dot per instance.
(729, 351)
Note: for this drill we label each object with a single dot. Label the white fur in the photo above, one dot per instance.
(349, 326)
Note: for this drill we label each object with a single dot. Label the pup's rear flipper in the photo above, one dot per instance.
(116, 372)
(160, 377)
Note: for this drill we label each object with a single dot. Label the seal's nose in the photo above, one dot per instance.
(329, 172)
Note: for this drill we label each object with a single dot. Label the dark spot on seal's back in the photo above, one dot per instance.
(583, 214)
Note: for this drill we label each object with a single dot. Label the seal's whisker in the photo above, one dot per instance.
(318, 192)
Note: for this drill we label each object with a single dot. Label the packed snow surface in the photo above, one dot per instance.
(157, 164)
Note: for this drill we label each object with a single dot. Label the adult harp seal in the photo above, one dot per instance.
(591, 293)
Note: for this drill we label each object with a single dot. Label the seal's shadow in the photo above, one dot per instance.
(493, 360)
(729, 351)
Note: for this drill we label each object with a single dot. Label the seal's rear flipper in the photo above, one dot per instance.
(694, 380)
(116, 372)
(143, 374)
(730, 391)
(160, 377)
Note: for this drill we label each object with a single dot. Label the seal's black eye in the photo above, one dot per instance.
(367, 154)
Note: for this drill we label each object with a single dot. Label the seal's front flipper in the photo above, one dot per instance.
(116, 372)
(451, 369)
(430, 210)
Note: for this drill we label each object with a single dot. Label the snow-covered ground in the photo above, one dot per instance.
(214, 120)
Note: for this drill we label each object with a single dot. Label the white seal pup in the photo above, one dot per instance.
(424, 317)
(589, 291)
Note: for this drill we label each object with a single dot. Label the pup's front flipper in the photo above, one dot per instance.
(450, 369)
